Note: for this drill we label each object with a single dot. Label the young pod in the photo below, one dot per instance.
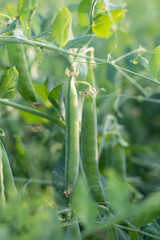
(89, 148)
(9, 184)
(72, 136)
(118, 159)
(17, 58)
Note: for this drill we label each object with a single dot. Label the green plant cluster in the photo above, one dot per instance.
(79, 126)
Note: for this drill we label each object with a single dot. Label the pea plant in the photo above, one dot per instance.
(79, 157)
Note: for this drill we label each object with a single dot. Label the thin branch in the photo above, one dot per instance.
(6, 39)
(32, 111)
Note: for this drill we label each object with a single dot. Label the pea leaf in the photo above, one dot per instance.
(60, 28)
(56, 98)
(104, 25)
(11, 10)
(9, 83)
(154, 64)
(25, 11)
(83, 207)
(80, 41)
(144, 219)
(117, 192)
(83, 12)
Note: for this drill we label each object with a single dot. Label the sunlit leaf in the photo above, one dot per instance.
(60, 28)
(104, 25)
(154, 64)
(79, 42)
(83, 12)
(25, 11)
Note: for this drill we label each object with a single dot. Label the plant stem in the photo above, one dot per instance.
(10, 39)
(32, 111)
(32, 180)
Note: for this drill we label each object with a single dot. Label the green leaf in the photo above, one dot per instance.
(83, 207)
(60, 28)
(9, 83)
(25, 11)
(80, 41)
(54, 94)
(117, 192)
(152, 228)
(83, 12)
(154, 64)
(104, 25)
(56, 98)
(144, 219)
(146, 211)
(11, 10)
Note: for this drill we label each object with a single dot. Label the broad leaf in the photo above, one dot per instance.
(60, 28)
(83, 207)
(144, 219)
(104, 25)
(117, 192)
(83, 12)
(154, 64)
(56, 98)
(25, 11)
(9, 83)
(11, 10)
(80, 41)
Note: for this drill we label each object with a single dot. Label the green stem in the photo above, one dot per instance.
(32, 111)
(137, 74)
(6, 39)
(91, 16)
(128, 54)
(83, 83)
(32, 180)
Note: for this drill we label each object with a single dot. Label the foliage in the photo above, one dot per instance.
(110, 51)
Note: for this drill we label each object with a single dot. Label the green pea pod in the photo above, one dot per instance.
(17, 58)
(89, 148)
(118, 159)
(9, 185)
(72, 136)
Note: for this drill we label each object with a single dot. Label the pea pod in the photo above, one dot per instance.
(118, 160)
(9, 184)
(89, 148)
(72, 136)
(17, 58)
